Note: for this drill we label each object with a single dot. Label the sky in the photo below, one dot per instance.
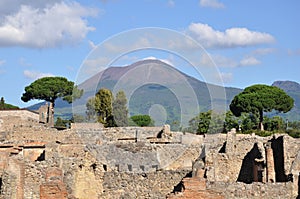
(249, 42)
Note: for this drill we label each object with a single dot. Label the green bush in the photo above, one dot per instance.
(61, 123)
(141, 120)
(295, 133)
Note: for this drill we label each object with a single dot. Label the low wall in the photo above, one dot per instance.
(22, 113)
(142, 185)
(80, 126)
(254, 191)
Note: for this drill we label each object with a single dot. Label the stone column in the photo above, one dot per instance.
(50, 115)
(270, 163)
(231, 142)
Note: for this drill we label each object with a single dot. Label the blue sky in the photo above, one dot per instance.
(249, 41)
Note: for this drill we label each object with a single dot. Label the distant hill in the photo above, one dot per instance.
(293, 90)
(9, 107)
(6, 106)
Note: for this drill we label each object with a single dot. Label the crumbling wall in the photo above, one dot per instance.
(238, 190)
(140, 185)
(23, 114)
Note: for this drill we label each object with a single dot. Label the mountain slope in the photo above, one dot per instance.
(155, 84)
(293, 90)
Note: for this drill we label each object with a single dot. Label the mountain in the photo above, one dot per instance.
(160, 89)
(293, 90)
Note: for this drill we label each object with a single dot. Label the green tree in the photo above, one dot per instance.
(230, 122)
(248, 122)
(274, 123)
(103, 107)
(91, 114)
(51, 88)
(2, 104)
(201, 123)
(258, 99)
(142, 120)
(204, 122)
(120, 110)
(61, 123)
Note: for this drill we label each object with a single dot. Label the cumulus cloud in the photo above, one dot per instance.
(8, 7)
(33, 75)
(227, 62)
(263, 51)
(249, 61)
(53, 25)
(230, 38)
(211, 4)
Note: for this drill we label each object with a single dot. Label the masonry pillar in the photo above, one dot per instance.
(231, 142)
(16, 171)
(270, 163)
(51, 115)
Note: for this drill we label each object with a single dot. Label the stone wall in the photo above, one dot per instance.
(22, 113)
(10, 119)
(140, 185)
(85, 126)
(240, 190)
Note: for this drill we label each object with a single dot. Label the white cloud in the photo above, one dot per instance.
(8, 7)
(54, 25)
(249, 61)
(211, 4)
(230, 38)
(227, 62)
(92, 45)
(263, 51)
(36, 74)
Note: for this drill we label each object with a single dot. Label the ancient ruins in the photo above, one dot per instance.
(89, 161)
